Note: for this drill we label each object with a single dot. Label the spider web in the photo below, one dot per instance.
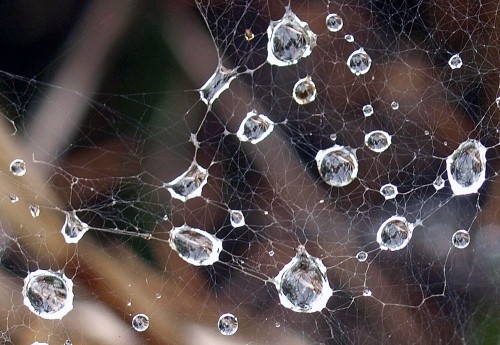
(133, 96)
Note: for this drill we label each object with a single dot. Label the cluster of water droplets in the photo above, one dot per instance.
(195, 246)
(337, 165)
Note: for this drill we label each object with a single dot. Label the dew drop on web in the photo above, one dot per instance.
(254, 127)
(359, 62)
(349, 38)
(389, 191)
(34, 210)
(337, 165)
(48, 294)
(216, 84)
(73, 228)
(438, 183)
(67, 342)
(395, 105)
(302, 284)
(497, 101)
(394, 233)
(228, 324)
(362, 256)
(18, 167)
(304, 91)
(13, 198)
(367, 292)
(367, 110)
(461, 239)
(140, 322)
(378, 141)
(237, 218)
(466, 167)
(289, 40)
(455, 61)
(195, 246)
(334, 22)
(190, 184)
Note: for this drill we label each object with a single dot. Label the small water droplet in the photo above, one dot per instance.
(394, 233)
(333, 137)
(190, 184)
(302, 284)
(466, 167)
(38, 343)
(228, 324)
(67, 342)
(455, 61)
(427, 132)
(249, 35)
(158, 295)
(334, 22)
(367, 110)
(337, 165)
(34, 210)
(304, 91)
(237, 218)
(349, 38)
(438, 183)
(73, 228)
(359, 62)
(389, 191)
(216, 84)
(395, 105)
(498, 101)
(18, 167)
(367, 292)
(277, 325)
(195, 246)
(140, 322)
(48, 294)
(461, 239)
(13, 198)
(271, 253)
(362, 256)
(378, 141)
(290, 40)
(255, 127)
(129, 304)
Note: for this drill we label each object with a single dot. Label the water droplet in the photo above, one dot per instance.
(349, 38)
(249, 35)
(190, 184)
(395, 105)
(290, 40)
(48, 294)
(304, 91)
(362, 256)
(277, 325)
(237, 218)
(67, 342)
(466, 167)
(367, 110)
(359, 62)
(34, 210)
(394, 233)
(337, 165)
(389, 191)
(195, 246)
(498, 101)
(302, 284)
(228, 324)
(378, 141)
(18, 167)
(216, 84)
(158, 295)
(438, 183)
(461, 239)
(333, 137)
(129, 304)
(455, 61)
(140, 322)
(271, 253)
(73, 228)
(13, 198)
(367, 292)
(334, 22)
(255, 127)
(426, 132)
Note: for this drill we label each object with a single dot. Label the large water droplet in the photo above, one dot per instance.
(455, 61)
(438, 183)
(237, 218)
(334, 22)
(140, 322)
(337, 165)
(378, 141)
(189, 184)
(255, 127)
(290, 40)
(304, 91)
(389, 191)
(73, 228)
(228, 324)
(48, 294)
(302, 284)
(362, 256)
(394, 233)
(18, 167)
(34, 210)
(195, 246)
(217, 83)
(367, 110)
(461, 239)
(359, 62)
(466, 167)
